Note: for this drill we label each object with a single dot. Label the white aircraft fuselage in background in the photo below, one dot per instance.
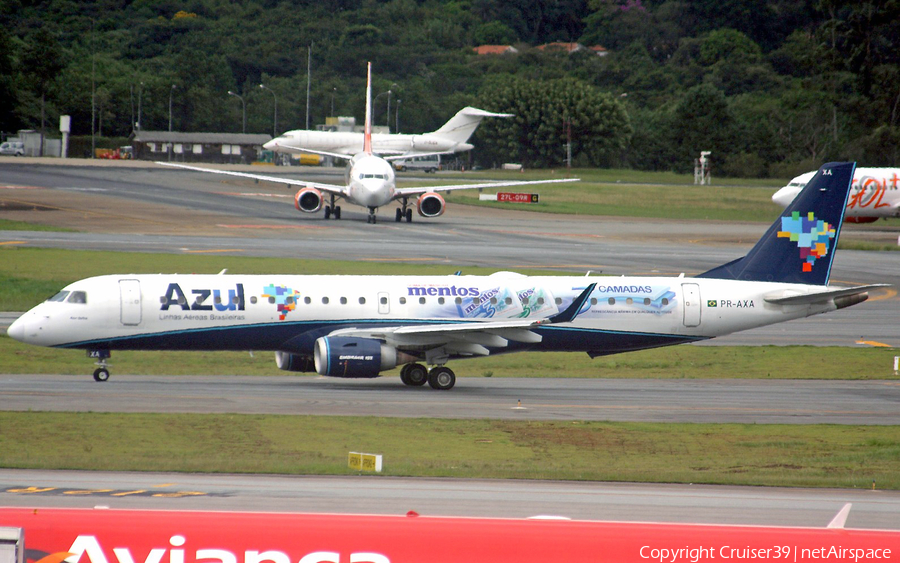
(360, 326)
(874, 194)
(451, 137)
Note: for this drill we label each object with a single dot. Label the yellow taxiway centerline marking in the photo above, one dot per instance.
(13, 242)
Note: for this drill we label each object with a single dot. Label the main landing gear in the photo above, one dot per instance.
(332, 210)
(404, 212)
(441, 378)
(101, 373)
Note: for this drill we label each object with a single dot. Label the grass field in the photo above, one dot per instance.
(778, 455)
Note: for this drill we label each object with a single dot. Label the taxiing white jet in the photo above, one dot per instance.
(370, 182)
(360, 326)
(450, 138)
(874, 194)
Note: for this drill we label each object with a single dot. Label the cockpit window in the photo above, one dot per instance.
(77, 297)
(378, 176)
(61, 296)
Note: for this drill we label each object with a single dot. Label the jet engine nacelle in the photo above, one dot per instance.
(308, 200)
(342, 356)
(430, 205)
(294, 362)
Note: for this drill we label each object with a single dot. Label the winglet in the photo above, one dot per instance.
(572, 311)
(367, 136)
(841, 517)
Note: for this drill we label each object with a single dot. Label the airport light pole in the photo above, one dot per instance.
(275, 119)
(243, 111)
(333, 90)
(140, 95)
(397, 117)
(171, 90)
(374, 105)
(388, 120)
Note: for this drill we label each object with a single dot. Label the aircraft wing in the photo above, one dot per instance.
(329, 188)
(468, 338)
(408, 192)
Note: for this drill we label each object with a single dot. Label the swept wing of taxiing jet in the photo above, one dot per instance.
(874, 193)
(370, 182)
(103, 535)
(360, 326)
(451, 137)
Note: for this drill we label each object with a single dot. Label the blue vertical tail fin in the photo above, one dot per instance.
(799, 246)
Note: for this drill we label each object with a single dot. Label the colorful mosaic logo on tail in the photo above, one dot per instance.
(813, 236)
(284, 297)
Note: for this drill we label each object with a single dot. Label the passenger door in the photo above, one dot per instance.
(130, 299)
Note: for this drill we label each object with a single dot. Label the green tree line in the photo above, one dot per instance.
(771, 87)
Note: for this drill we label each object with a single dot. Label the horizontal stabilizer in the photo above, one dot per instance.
(823, 296)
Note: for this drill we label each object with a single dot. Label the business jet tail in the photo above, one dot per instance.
(461, 126)
(799, 246)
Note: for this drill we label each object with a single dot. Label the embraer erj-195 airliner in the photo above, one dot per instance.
(371, 182)
(874, 193)
(360, 326)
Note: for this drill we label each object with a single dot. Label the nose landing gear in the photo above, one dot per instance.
(101, 373)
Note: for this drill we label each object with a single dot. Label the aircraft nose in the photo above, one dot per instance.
(785, 196)
(270, 145)
(16, 331)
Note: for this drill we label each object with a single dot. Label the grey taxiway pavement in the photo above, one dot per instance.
(450, 497)
(677, 400)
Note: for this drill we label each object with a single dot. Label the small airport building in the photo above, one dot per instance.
(226, 148)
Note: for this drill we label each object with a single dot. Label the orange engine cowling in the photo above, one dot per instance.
(430, 205)
(860, 219)
(308, 200)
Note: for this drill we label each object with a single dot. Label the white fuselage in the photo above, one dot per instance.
(874, 192)
(272, 312)
(351, 143)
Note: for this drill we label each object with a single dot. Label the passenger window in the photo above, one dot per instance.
(307, 300)
(324, 301)
(559, 300)
(665, 301)
(493, 300)
(253, 300)
(343, 300)
(646, 300)
(421, 300)
(459, 300)
(440, 300)
(476, 300)
(612, 301)
(629, 301)
(362, 300)
(593, 301)
(383, 300)
(540, 300)
(272, 299)
(508, 300)
(403, 300)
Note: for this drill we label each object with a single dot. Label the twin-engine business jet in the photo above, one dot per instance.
(360, 326)
(450, 138)
(874, 193)
(370, 182)
(103, 535)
